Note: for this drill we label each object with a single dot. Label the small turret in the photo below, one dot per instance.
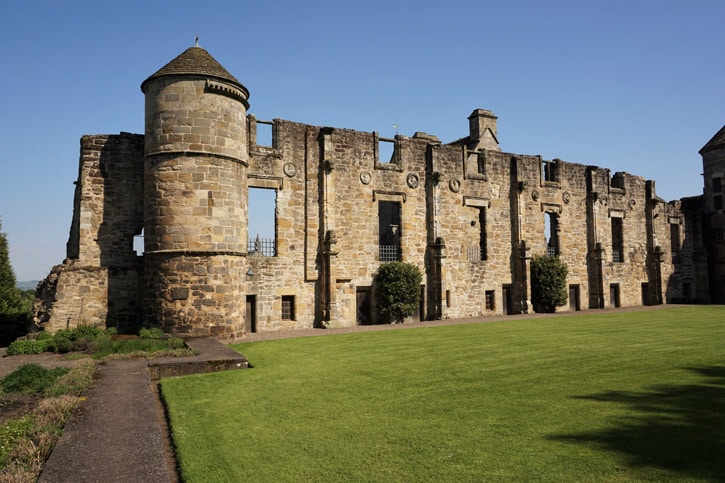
(195, 197)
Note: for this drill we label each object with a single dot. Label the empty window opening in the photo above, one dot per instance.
(550, 170)
(389, 221)
(288, 307)
(617, 241)
(490, 299)
(551, 233)
(448, 298)
(138, 243)
(386, 150)
(675, 239)
(264, 133)
(262, 222)
(717, 202)
(618, 181)
(479, 252)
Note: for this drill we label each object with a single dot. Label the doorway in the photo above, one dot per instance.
(574, 303)
(250, 318)
(614, 300)
(363, 303)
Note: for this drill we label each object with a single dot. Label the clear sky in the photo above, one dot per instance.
(629, 85)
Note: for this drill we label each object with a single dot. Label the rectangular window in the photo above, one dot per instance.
(675, 239)
(717, 185)
(717, 202)
(550, 171)
(551, 233)
(479, 252)
(389, 221)
(262, 222)
(490, 300)
(288, 307)
(386, 150)
(617, 241)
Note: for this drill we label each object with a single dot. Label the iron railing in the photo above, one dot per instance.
(264, 247)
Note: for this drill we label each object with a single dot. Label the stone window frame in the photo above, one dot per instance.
(617, 238)
(255, 148)
(287, 307)
(489, 297)
(266, 182)
(550, 172)
(554, 211)
(480, 171)
(479, 253)
(396, 159)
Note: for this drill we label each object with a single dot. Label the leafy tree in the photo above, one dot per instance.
(548, 283)
(14, 308)
(397, 289)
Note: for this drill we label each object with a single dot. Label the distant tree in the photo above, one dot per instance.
(397, 289)
(548, 283)
(14, 308)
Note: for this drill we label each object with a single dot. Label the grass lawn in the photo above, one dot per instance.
(626, 396)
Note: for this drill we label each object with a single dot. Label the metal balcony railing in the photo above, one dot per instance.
(264, 247)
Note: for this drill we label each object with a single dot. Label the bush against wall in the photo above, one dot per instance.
(397, 289)
(548, 283)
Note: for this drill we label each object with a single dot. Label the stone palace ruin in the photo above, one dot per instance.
(467, 214)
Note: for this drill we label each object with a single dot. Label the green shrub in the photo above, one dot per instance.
(27, 347)
(43, 336)
(150, 333)
(397, 289)
(31, 379)
(548, 283)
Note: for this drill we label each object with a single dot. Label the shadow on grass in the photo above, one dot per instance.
(676, 428)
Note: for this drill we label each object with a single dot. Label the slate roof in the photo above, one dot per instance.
(195, 61)
(717, 141)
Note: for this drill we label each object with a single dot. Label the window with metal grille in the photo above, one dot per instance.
(490, 299)
(288, 307)
(389, 253)
(617, 241)
(389, 223)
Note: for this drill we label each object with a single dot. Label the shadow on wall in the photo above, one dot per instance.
(676, 428)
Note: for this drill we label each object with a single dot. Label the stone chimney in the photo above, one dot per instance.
(482, 127)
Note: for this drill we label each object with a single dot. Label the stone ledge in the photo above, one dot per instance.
(211, 356)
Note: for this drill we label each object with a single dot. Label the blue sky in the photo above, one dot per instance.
(633, 86)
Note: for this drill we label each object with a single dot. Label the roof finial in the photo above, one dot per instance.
(197, 41)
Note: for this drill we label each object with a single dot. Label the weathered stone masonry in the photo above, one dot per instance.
(467, 214)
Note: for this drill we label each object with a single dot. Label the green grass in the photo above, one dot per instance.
(625, 396)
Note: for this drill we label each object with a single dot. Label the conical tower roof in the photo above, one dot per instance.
(195, 61)
(717, 141)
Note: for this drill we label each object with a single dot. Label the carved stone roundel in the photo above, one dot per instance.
(413, 180)
(535, 195)
(289, 169)
(365, 177)
(455, 185)
(566, 197)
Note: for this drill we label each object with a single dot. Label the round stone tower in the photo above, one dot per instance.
(195, 198)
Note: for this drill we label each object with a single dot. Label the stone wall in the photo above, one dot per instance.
(470, 218)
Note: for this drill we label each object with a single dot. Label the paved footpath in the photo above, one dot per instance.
(116, 435)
